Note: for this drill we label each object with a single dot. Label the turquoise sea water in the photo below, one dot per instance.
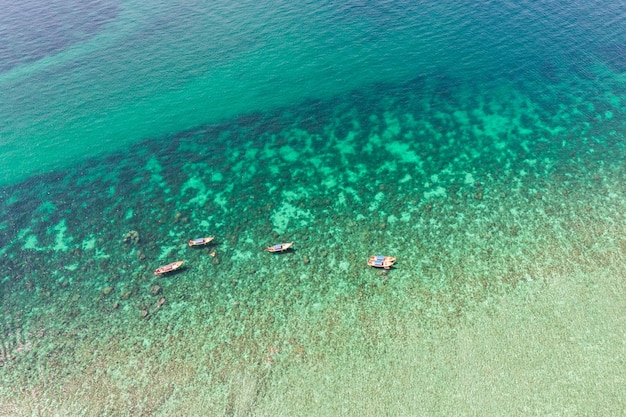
(82, 80)
(480, 144)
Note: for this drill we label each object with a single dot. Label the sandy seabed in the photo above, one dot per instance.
(542, 349)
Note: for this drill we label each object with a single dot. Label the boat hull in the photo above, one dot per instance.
(168, 268)
(201, 241)
(379, 261)
(281, 247)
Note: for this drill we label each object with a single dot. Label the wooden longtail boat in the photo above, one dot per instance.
(379, 261)
(280, 247)
(201, 241)
(168, 268)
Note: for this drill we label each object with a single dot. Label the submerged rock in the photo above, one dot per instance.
(131, 237)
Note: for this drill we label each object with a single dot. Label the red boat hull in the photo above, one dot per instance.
(168, 268)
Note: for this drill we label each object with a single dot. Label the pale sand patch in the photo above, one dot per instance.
(403, 152)
(154, 167)
(393, 126)
(61, 242)
(290, 216)
(31, 242)
(221, 201)
(47, 207)
(558, 349)
(288, 153)
(435, 192)
(202, 192)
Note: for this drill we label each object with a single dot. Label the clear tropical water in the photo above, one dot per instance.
(480, 144)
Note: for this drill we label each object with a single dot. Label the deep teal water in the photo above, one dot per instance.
(86, 79)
